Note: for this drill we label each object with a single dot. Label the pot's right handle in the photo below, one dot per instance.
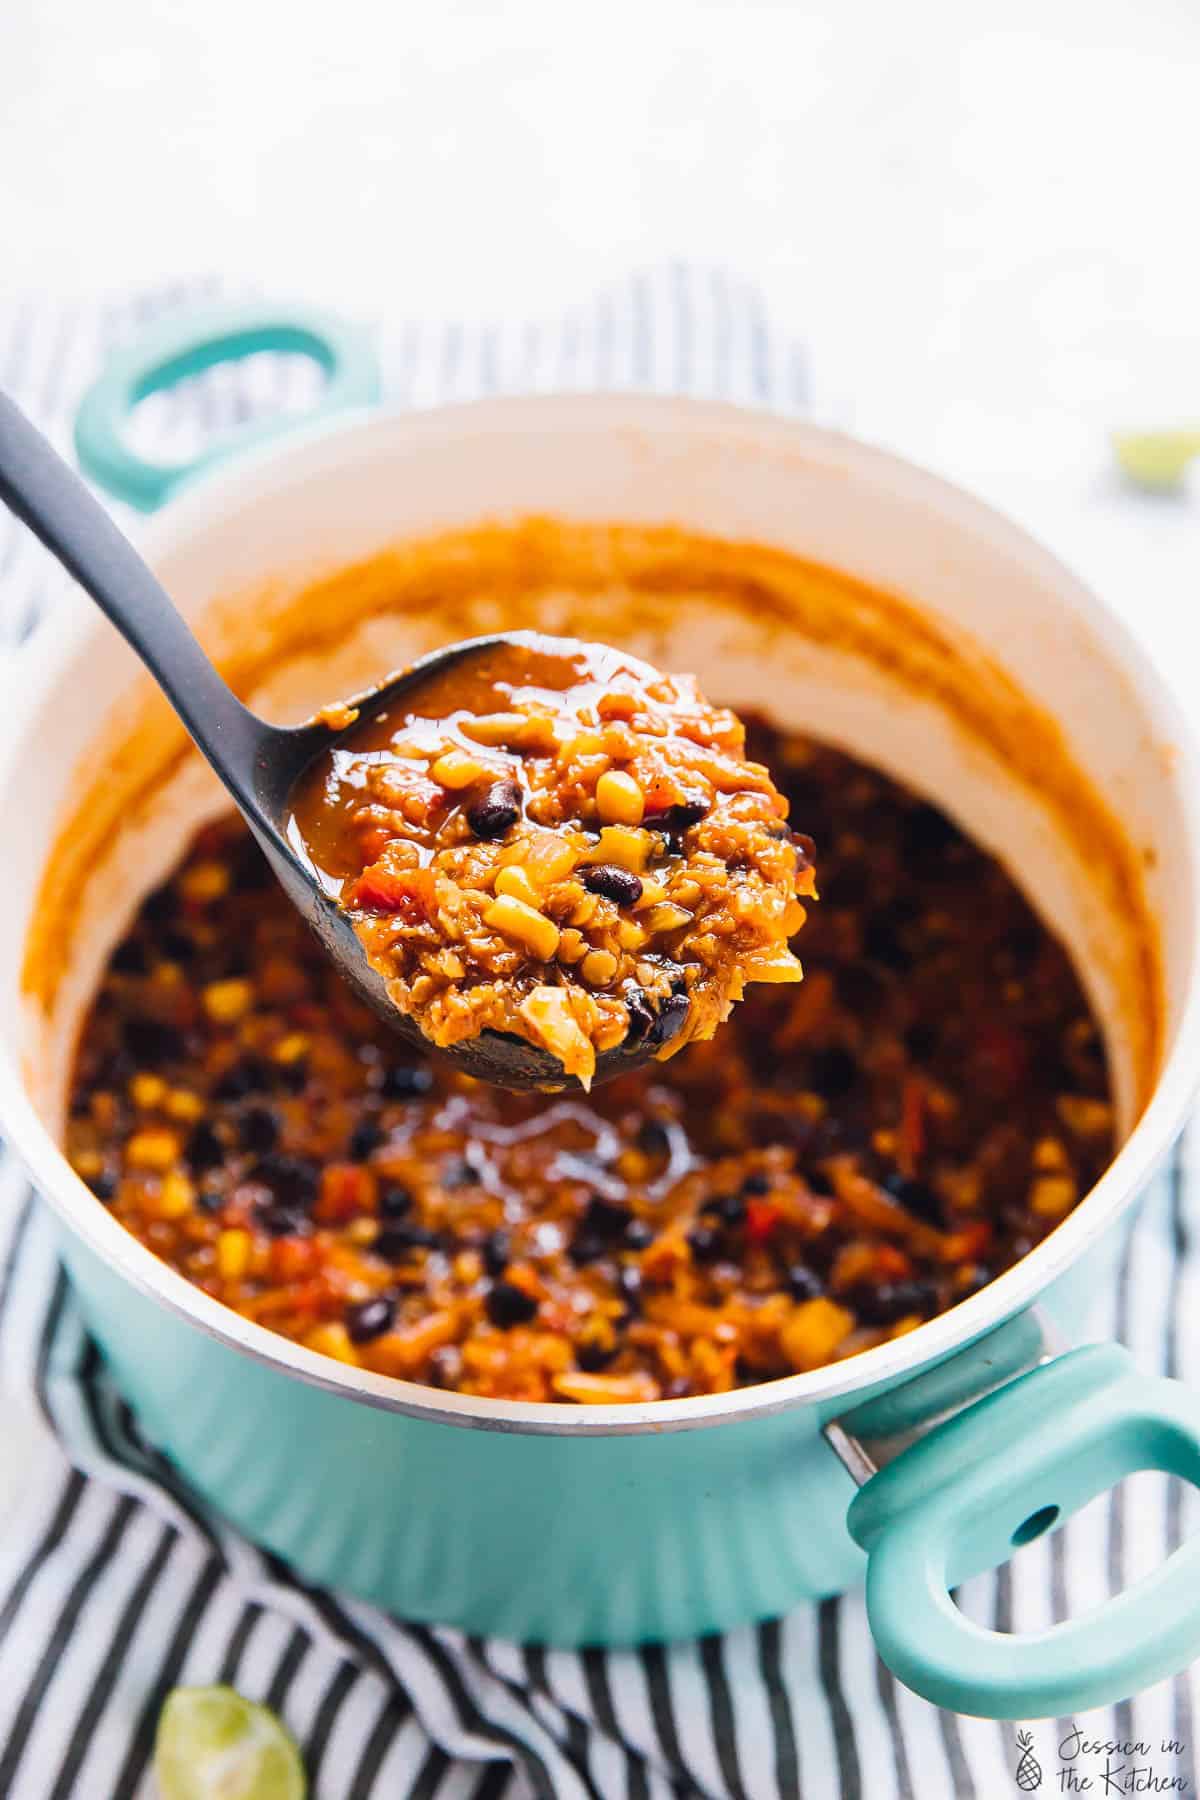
(192, 340)
(1010, 1467)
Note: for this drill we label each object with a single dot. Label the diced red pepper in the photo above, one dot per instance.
(292, 1258)
(347, 1190)
(762, 1216)
(383, 890)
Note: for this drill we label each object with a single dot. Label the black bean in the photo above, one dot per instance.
(653, 1139)
(893, 1300)
(279, 1219)
(459, 1174)
(114, 1070)
(178, 946)
(103, 1185)
(591, 1358)
(707, 1242)
(881, 942)
(757, 1182)
(927, 832)
(249, 1076)
(496, 1250)
(129, 957)
(370, 1318)
(680, 817)
(209, 1200)
(620, 885)
(258, 1128)
(641, 1015)
(204, 1149)
(861, 989)
(296, 1180)
(496, 810)
(584, 1249)
(916, 1197)
(395, 1201)
(294, 1075)
(396, 1242)
(921, 1040)
(400, 1082)
(832, 1072)
(604, 1218)
(365, 1137)
(161, 904)
(803, 1284)
(151, 1042)
(669, 1020)
(509, 1305)
(978, 1278)
(638, 1234)
(820, 1183)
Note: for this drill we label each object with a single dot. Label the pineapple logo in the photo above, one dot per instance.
(1029, 1769)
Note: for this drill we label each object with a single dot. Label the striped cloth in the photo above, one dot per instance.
(115, 1585)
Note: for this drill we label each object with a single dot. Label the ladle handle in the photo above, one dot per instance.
(47, 495)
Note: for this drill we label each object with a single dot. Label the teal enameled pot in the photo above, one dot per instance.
(616, 1525)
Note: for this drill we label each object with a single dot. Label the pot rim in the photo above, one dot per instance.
(44, 658)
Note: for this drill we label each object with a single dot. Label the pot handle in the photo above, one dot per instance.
(1012, 1466)
(198, 338)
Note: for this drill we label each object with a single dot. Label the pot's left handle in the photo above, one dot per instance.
(190, 341)
(998, 1475)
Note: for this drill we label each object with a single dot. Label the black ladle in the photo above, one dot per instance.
(259, 764)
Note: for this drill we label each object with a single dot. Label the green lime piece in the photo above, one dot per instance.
(213, 1745)
(1156, 459)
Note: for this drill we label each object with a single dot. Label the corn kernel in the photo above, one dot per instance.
(531, 928)
(333, 1340)
(227, 1001)
(514, 881)
(493, 728)
(812, 1332)
(184, 1106)
(233, 1253)
(87, 1164)
(571, 945)
(457, 770)
(621, 845)
(147, 1091)
(152, 1149)
(1085, 1117)
(204, 881)
(291, 1048)
(619, 799)
(598, 967)
(1052, 1196)
(176, 1196)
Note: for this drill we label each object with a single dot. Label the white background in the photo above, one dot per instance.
(982, 216)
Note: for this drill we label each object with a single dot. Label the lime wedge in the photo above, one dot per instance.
(213, 1745)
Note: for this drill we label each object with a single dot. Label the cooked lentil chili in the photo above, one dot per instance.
(552, 839)
(844, 1159)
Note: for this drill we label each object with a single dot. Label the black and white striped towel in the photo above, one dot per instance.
(115, 1585)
